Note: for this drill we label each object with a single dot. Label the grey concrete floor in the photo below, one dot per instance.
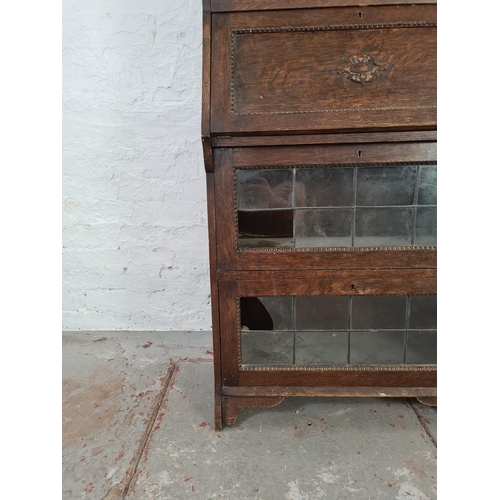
(138, 424)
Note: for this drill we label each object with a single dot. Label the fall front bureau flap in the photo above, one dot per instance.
(324, 70)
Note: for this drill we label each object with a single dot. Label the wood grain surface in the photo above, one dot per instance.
(294, 140)
(331, 392)
(248, 5)
(279, 70)
(282, 88)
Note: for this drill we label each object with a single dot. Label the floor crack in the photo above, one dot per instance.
(119, 491)
(423, 423)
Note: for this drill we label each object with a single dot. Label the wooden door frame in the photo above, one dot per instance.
(228, 160)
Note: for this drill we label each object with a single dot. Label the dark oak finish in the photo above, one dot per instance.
(224, 204)
(361, 258)
(331, 392)
(205, 92)
(294, 140)
(318, 283)
(347, 378)
(234, 405)
(249, 5)
(428, 400)
(214, 296)
(315, 283)
(312, 84)
(299, 84)
(237, 399)
(228, 324)
(208, 157)
(336, 154)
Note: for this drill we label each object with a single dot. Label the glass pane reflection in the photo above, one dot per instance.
(383, 227)
(324, 187)
(321, 207)
(323, 228)
(338, 330)
(386, 186)
(259, 189)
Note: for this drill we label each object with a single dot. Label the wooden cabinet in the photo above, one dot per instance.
(319, 137)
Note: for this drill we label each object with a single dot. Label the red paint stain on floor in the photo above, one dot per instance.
(89, 488)
(159, 419)
(203, 424)
(187, 479)
(392, 425)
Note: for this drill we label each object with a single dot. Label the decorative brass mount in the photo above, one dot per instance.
(361, 68)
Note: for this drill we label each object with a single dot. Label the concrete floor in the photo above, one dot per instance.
(137, 424)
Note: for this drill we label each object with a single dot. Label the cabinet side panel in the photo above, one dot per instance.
(226, 229)
(220, 67)
(214, 291)
(229, 333)
(205, 92)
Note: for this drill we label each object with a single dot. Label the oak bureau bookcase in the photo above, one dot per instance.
(319, 140)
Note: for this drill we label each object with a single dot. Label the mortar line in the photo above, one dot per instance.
(145, 437)
(423, 424)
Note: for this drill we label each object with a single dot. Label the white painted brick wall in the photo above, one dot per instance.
(135, 244)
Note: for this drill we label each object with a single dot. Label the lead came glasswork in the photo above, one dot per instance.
(259, 189)
(320, 228)
(321, 348)
(377, 348)
(427, 187)
(426, 226)
(386, 186)
(324, 187)
(378, 312)
(281, 311)
(337, 207)
(421, 347)
(383, 227)
(322, 313)
(423, 312)
(267, 348)
(338, 330)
